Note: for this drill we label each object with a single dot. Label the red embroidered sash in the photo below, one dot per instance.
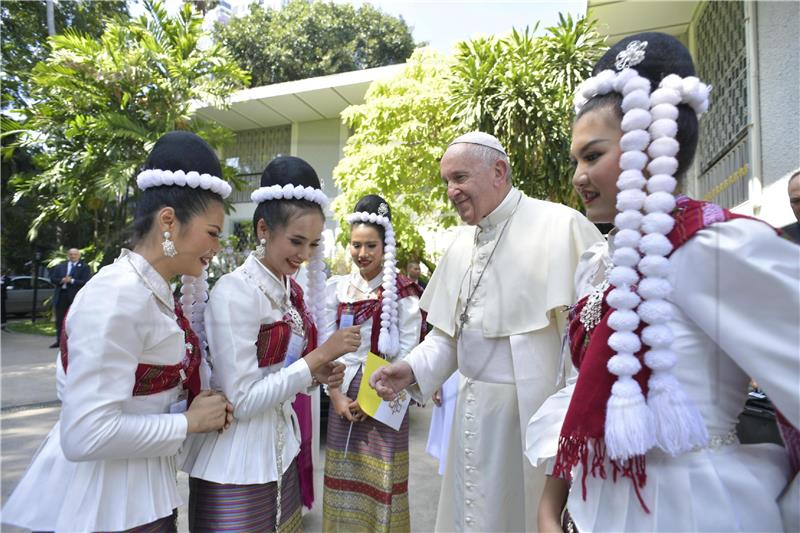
(363, 310)
(152, 379)
(271, 346)
(273, 339)
(583, 430)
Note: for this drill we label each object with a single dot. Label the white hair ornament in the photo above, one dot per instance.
(667, 418)
(289, 192)
(155, 177)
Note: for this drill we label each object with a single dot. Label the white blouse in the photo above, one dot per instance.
(109, 463)
(353, 288)
(736, 308)
(246, 453)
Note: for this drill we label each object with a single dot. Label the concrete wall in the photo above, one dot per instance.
(778, 72)
(320, 143)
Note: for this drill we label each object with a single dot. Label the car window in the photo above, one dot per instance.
(21, 283)
(45, 284)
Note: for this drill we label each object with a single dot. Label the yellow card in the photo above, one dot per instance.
(390, 413)
(367, 398)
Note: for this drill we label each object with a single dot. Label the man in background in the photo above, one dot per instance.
(792, 231)
(413, 271)
(68, 277)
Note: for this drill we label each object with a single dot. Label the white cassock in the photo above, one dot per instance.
(507, 353)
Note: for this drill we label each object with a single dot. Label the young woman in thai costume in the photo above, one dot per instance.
(685, 304)
(128, 357)
(366, 461)
(262, 336)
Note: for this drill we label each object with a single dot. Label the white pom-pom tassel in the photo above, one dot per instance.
(663, 146)
(655, 244)
(633, 160)
(624, 364)
(623, 298)
(661, 183)
(655, 288)
(637, 140)
(667, 111)
(628, 220)
(624, 320)
(635, 119)
(655, 311)
(631, 179)
(628, 257)
(638, 99)
(656, 266)
(636, 83)
(679, 427)
(624, 341)
(659, 202)
(630, 200)
(627, 238)
(629, 423)
(663, 127)
(663, 165)
(658, 336)
(622, 275)
(658, 222)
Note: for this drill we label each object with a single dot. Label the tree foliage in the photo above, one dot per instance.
(399, 135)
(24, 29)
(520, 88)
(307, 39)
(100, 104)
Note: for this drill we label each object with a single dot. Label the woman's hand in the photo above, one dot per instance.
(209, 412)
(356, 412)
(344, 340)
(331, 374)
(341, 404)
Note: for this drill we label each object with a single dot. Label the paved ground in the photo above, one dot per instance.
(30, 408)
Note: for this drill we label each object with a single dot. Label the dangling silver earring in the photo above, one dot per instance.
(261, 249)
(168, 245)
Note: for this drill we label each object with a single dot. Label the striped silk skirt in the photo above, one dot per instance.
(245, 508)
(365, 489)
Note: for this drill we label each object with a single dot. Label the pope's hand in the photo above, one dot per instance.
(390, 379)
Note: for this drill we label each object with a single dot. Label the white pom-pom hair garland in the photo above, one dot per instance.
(155, 177)
(389, 339)
(289, 192)
(667, 418)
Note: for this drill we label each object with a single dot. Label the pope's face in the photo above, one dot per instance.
(474, 187)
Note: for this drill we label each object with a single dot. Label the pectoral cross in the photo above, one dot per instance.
(462, 319)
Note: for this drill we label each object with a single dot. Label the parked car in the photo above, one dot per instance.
(20, 295)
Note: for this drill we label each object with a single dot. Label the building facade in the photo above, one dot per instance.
(749, 52)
